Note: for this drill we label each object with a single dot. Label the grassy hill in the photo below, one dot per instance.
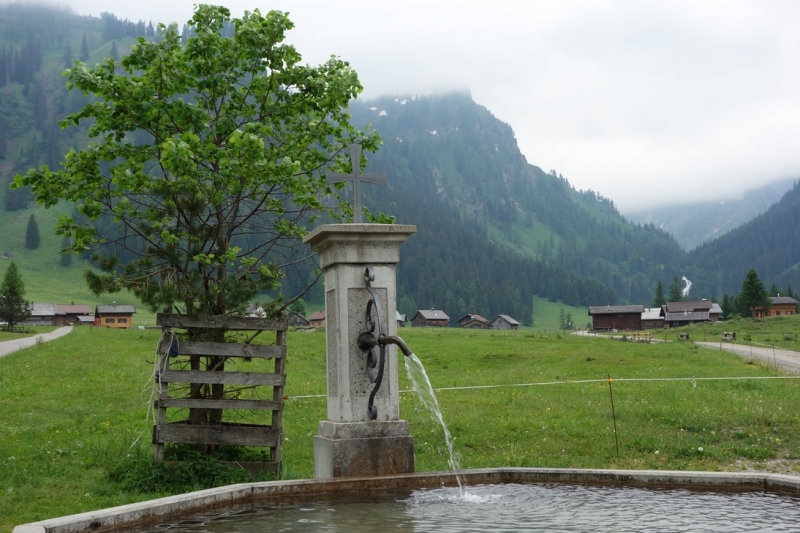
(45, 280)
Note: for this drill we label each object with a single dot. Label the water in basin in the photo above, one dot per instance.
(550, 507)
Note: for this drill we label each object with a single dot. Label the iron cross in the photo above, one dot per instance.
(356, 177)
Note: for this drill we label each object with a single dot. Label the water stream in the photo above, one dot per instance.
(421, 383)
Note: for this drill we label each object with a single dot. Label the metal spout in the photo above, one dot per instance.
(400, 343)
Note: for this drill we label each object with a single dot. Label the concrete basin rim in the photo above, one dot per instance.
(174, 507)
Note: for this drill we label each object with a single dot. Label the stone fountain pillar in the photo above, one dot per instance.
(349, 444)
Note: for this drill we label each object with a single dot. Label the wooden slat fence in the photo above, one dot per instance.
(170, 372)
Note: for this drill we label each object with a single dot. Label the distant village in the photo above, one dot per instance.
(109, 316)
(604, 318)
(676, 314)
(431, 318)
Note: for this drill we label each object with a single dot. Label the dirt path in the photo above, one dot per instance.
(7, 347)
(784, 359)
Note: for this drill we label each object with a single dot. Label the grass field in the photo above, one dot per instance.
(75, 429)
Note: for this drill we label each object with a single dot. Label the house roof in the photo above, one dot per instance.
(433, 314)
(43, 309)
(507, 319)
(73, 309)
(680, 307)
(715, 309)
(784, 300)
(319, 315)
(401, 317)
(687, 316)
(474, 317)
(85, 319)
(615, 309)
(115, 309)
(652, 313)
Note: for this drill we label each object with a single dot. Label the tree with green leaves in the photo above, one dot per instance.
(207, 163)
(675, 290)
(754, 293)
(13, 307)
(659, 299)
(32, 237)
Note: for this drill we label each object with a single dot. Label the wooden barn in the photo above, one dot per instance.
(504, 322)
(473, 321)
(652, 318)
(617, 317)
(678, 314)
(68, 314)
(297, 320)
(42, 314)
(430, 318)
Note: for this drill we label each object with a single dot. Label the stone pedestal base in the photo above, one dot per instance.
(363, 449)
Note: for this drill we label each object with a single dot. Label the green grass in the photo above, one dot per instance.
(545, 314)
(75, 426)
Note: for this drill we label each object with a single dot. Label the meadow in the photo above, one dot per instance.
(75, 429)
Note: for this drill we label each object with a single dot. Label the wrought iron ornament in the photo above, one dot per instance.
(379, 178)
(367, 342)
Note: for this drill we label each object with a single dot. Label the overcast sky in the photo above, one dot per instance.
(644, 102)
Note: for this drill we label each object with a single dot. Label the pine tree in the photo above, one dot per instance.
(67, 56)
(675, 290)
(753, 294)
(659, 299)
(84, 49)
(13, 307)
(773, 291)
(32, 238)
(113, 53)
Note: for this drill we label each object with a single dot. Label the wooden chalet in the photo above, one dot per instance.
(114, 316)
(401, 319)
(69, 314)
(678, 314)
(430, 318)
(504, 322)
(317, 319)
(781, 306)
(473, 322)
(617, 317)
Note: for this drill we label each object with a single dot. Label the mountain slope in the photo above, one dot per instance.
(695, 223)
(770, 243)
(455, 154)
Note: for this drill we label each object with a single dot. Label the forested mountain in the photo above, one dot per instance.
(456, 159)
(696, 222)
(770, 243)
(493, 229)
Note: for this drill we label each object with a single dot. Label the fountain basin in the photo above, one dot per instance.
(253, 495)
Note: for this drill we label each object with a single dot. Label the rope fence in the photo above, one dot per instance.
(575, 382)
